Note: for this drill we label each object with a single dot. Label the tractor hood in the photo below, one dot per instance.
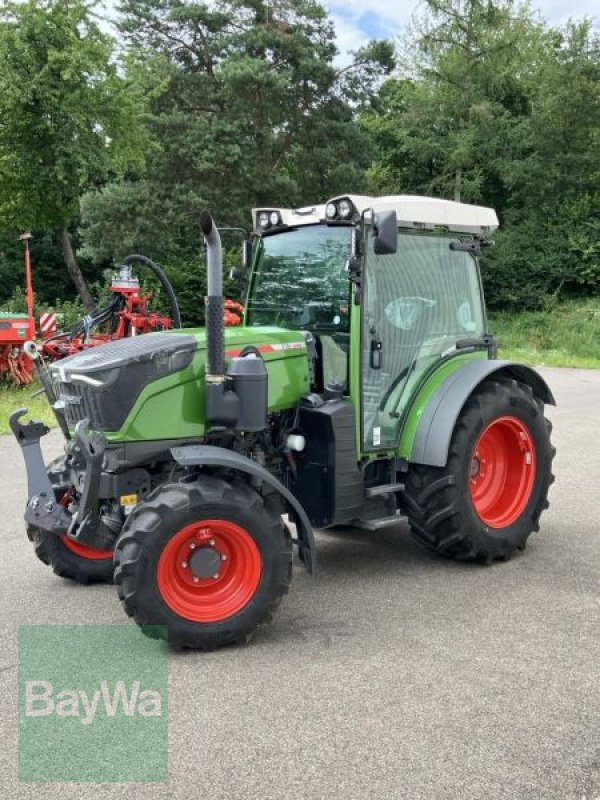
(152, 386)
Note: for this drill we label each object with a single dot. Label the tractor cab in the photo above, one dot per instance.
(383, 314)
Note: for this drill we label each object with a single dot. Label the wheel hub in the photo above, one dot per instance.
(205, 562)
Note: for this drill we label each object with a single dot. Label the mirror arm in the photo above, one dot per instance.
(354, 264)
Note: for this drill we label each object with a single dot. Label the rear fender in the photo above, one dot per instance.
(436, 425)
(209, 456)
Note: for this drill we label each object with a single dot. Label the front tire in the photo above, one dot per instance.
(69, 559)
(488, 499)
(203, 563)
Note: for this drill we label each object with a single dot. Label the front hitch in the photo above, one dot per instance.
(42, 511)
(85, 525)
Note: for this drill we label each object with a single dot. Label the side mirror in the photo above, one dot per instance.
(385, 233)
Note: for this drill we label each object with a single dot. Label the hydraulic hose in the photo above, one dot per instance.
(164, 282)
(99, 315)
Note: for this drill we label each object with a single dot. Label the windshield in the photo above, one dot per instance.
(300, 280)
(419, 302)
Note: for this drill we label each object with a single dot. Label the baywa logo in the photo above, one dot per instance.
(93, 704)
(40, 701)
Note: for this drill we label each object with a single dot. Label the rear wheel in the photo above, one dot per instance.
(203, 564)
(70, 559)
(487, 500)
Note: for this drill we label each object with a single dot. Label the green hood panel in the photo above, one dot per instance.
(172, 407)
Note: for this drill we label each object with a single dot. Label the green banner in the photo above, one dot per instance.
(93, 704)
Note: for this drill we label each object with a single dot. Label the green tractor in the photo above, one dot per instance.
(362, 389)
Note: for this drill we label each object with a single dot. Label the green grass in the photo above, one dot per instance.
(12, 397)
(567, 335)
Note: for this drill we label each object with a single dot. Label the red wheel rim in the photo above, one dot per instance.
(502, 472)
(192, 594)
(83, 551)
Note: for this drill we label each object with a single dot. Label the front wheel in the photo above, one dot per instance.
(67, 558)
(487, 500)
(203, 563)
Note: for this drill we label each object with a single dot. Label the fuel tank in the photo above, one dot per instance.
(152, 387)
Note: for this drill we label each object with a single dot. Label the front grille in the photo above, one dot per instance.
(103, 383)
(81, 402)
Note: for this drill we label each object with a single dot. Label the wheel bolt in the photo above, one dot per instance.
(211, 542)
(184, 564)
(196, 579)
(223, 557)
(193, 546)
(216, 576)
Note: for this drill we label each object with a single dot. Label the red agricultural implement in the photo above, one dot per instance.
(126, 314)
(15, 330)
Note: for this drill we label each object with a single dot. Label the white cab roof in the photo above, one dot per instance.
(412, 211)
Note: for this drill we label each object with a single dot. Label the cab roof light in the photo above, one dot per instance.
(267, 218)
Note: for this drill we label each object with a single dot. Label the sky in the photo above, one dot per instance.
(357, 21)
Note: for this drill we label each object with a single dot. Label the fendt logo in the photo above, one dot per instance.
(42, 701)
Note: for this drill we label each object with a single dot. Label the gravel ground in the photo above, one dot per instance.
(396, 674)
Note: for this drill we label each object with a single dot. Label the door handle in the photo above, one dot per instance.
(376, 354)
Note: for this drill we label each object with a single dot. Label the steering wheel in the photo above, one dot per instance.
(423, 304)
(404, 312)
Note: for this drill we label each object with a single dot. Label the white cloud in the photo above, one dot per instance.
(357, 21)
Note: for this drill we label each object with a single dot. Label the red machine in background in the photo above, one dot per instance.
(15, 330)
(127, 314)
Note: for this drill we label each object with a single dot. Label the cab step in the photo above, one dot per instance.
(380, 491)
(378, 524)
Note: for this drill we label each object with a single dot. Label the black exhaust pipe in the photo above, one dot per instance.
(215, 337)
(222, 404)
(236, 399)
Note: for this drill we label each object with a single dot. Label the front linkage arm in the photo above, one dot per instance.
(42, 509)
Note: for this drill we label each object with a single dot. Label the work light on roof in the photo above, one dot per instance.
(345, 209)
(263, 219)
(274, 218)
(331, 211)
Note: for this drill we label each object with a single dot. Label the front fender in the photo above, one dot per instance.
(202, 455)
(436, 425)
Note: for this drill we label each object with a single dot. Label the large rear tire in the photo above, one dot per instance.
(203, 564)
(67, 558)
(488, 499)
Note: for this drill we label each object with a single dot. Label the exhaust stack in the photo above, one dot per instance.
(215, 337)
(236, 399)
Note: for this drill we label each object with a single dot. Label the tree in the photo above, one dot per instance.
(247, 107)
(450, 115)
(68, 120)
(494, 107)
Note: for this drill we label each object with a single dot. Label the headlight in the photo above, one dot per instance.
(331, 210)
(274, 218)
(263, 219)
(345, 209)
